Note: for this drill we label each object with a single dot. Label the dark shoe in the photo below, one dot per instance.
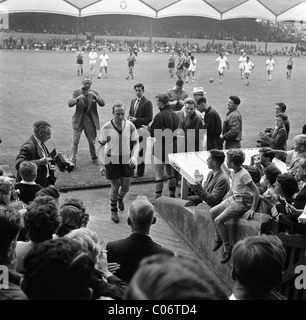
(121, 205)
(226, 256)
(115, 217)
(217, 245)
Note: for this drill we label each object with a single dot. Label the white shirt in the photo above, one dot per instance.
(248, 67)
(242, 61)
(270, 64)
(44, 154)
(104, 59)
(222, 62)
(92, 55)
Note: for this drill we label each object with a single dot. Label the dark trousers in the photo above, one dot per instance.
(142, 155)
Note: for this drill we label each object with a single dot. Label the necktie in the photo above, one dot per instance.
(209, 180)
(136, 106)
(45, 154)
(43, 146)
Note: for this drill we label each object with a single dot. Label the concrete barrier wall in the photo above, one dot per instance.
(194, 225)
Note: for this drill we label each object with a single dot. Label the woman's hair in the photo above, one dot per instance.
(164, 277)
(58, 269)
(272, 172)
(42, 218)
(87, 238)
(73, 216)
(288, 184)
(51, 191)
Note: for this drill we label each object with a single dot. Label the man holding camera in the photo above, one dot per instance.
(85, 118)
(177, 95)
(34, 150)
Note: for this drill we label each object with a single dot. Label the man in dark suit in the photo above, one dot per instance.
(217, 183)
(141, 114)
(85, 118)
(34, 150)
(130, 251)
(212, 123)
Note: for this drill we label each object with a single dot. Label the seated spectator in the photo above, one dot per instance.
(243, 199)
(285, 187)
(258, 263)
(9, 196)
(27, 186)
(104, 283)
(58, 269)
(5, 191)
(41, 221)
(254, 173)
(262, 160)
(299, 200)
(161, 277)
(217, 183)
(278, 137)
(51, 191)
(10, 224)
(267, 182)
(73, 216)
(130, 251)
(293, 156)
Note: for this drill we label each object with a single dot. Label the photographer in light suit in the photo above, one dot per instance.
(85, 118)
(34, 150)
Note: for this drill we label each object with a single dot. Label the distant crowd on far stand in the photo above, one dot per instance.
(71, 43)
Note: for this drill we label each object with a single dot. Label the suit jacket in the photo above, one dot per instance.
(299, 201)
(130, 251)
(213, 124)
(81, 107)
(278, 139)
(232, 126)
(144, 113)
(30, 151)
(215, 187)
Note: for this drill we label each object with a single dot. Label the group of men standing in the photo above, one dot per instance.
(123, 140)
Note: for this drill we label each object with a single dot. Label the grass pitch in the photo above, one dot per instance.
(36, 85)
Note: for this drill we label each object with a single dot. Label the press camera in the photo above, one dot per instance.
(61, 161)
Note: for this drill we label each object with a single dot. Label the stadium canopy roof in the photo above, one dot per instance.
(273, 10)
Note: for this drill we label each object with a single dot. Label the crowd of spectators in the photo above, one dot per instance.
(71, 43)
(180, 27)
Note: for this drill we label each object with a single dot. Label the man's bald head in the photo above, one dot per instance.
(141, 213)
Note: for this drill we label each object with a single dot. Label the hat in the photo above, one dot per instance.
(199, 90)
(163, 97)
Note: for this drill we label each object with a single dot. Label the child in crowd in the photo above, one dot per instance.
(243, 199)
(27, 186)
